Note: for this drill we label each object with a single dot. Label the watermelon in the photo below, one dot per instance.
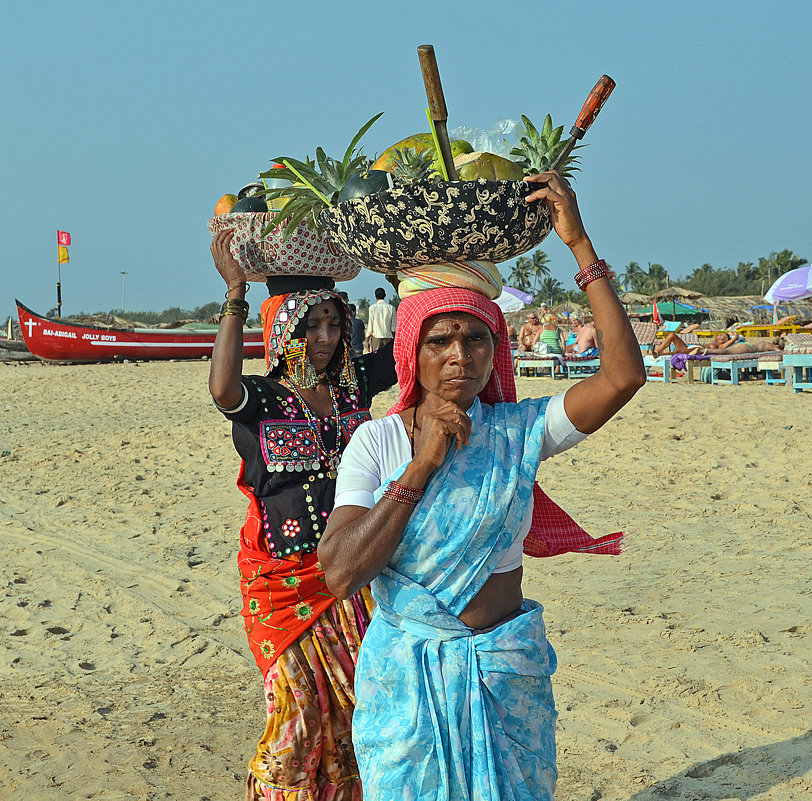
(249, 204)
(364, 183)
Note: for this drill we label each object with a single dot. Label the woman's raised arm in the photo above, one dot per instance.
(594, 400)
(225, 372)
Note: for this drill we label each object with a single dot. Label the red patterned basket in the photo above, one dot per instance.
(304, 253)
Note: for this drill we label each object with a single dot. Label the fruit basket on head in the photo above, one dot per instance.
(428, 222)
(397, 215)
(264, 249)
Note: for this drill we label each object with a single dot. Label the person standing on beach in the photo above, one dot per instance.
(381, 322)
(357, 331)
(290, 428)
(435, 505)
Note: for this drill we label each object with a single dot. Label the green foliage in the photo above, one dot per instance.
(520, 274)
(362, 309)
(551, 292)
(527, 271)
(314, 185)
(171, 315)
(746, 279)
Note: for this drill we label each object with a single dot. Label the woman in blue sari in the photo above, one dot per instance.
(433, 504)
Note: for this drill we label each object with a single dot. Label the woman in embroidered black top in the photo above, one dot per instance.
(290, 428)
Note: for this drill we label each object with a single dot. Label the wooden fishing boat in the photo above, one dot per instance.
(59, 341)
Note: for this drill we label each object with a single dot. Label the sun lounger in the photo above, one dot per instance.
(799, 367)
(798, 360)
(734, 363)
(578, 366)
(660, 365)
(771, 364)
(536, 362)
(663, 371)
(798, 343)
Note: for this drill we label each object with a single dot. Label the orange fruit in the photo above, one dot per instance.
(224, 204)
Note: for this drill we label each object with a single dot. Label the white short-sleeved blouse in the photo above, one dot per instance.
(379, 447)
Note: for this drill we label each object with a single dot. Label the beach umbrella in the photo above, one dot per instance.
(793, 285)
(672, 308)
(655, 315)
(512, 299)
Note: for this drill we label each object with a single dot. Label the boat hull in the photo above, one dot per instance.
(58, 341)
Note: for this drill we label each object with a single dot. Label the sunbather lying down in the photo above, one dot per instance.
(720, 344)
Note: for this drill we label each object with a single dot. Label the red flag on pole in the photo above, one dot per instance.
(63, 238)
(655, 314)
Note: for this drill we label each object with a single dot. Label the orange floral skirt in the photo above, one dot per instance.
(306, 752)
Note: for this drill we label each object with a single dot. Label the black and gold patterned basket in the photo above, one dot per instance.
(438, 222)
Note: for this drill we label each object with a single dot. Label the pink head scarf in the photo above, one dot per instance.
(552, 530)
(416, 309)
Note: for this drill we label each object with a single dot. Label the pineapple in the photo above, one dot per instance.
(411, 166)
(315, 185)
(536, 152)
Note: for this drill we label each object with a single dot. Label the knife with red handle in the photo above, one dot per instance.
(594, 103)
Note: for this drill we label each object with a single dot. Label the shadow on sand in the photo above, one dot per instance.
(741, 775)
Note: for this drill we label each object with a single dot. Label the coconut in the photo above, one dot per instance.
(489, 166)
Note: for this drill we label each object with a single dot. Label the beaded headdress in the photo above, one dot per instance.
(282, 313)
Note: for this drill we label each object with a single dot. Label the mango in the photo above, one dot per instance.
(224, 204)
(480, 164)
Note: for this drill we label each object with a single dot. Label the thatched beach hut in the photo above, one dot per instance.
(726, 311)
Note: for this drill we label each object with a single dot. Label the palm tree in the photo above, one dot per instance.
(551, 291)
(520, 273)
(633, 277)
(699, 280)
(657, 278)
(787, 260)
(540, 268)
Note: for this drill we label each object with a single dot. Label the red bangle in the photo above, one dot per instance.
(402, 494)
(592, 273)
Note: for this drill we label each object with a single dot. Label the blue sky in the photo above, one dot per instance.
(123, 123)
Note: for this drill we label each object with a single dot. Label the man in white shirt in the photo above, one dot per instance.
(381, 323)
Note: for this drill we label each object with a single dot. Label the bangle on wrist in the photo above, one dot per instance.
(402, 494)
(237, 286)
(236, 307)
(592, 273)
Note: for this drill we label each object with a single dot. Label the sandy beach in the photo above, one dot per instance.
(684, 665)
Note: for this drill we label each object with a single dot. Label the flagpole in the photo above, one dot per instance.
(62, 241)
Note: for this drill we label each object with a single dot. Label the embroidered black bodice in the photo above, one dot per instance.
(284, 463)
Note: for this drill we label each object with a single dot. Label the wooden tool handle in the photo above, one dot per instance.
(431, 77)
(594, 103)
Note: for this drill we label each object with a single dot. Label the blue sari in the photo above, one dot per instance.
(447, 712)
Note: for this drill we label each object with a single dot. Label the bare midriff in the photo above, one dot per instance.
(501, 596)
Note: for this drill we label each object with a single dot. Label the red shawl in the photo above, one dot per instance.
(552, 530)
